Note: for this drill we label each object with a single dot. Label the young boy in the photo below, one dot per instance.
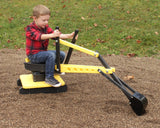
(38, 34)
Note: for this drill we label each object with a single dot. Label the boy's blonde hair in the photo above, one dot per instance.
(40, 10)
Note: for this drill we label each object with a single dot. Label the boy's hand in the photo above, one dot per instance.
(72, 35)
(56, 33)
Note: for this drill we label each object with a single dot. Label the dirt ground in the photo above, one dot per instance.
(91, 101)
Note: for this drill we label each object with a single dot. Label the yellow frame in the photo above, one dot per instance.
(71, 68)
(27, 79)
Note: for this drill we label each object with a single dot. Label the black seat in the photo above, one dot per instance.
(34, 67)
(38, 70)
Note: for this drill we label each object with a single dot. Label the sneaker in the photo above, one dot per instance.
(53, 82)
(61, 73)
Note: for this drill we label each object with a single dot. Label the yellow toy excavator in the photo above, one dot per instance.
(34, 82)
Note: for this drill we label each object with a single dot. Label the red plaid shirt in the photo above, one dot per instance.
(34, 44)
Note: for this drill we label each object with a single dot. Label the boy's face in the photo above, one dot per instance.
(41, 21)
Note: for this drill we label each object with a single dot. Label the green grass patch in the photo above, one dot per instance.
(107, 26)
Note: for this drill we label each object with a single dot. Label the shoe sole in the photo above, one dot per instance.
(62, 73)
(55, 85)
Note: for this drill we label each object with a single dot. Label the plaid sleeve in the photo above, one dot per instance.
(49, 30)
(33, 34)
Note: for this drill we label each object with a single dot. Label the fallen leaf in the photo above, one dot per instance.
(95, 24)
(64, 6)
(31, 17)
(131, 54)
(128, 77)
(89, 28)
(110, 29)
(156, 33)
(105, 26)
(138, 41)
(100, 6)
(94, 45)
(15, 46)
(99, 40)
(129, 37)
(8, 41)
(10, 19)
(111, 54)
(82, 18)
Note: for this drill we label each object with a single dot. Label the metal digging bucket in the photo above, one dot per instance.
(138, 103)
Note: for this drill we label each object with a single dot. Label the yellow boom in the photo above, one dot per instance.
(79, 48)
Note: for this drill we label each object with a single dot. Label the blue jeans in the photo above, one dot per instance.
(49, 58)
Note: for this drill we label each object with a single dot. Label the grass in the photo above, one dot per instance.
(107, 26)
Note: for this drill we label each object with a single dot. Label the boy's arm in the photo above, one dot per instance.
(55, 34)
(67, 36)
(47, 36)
